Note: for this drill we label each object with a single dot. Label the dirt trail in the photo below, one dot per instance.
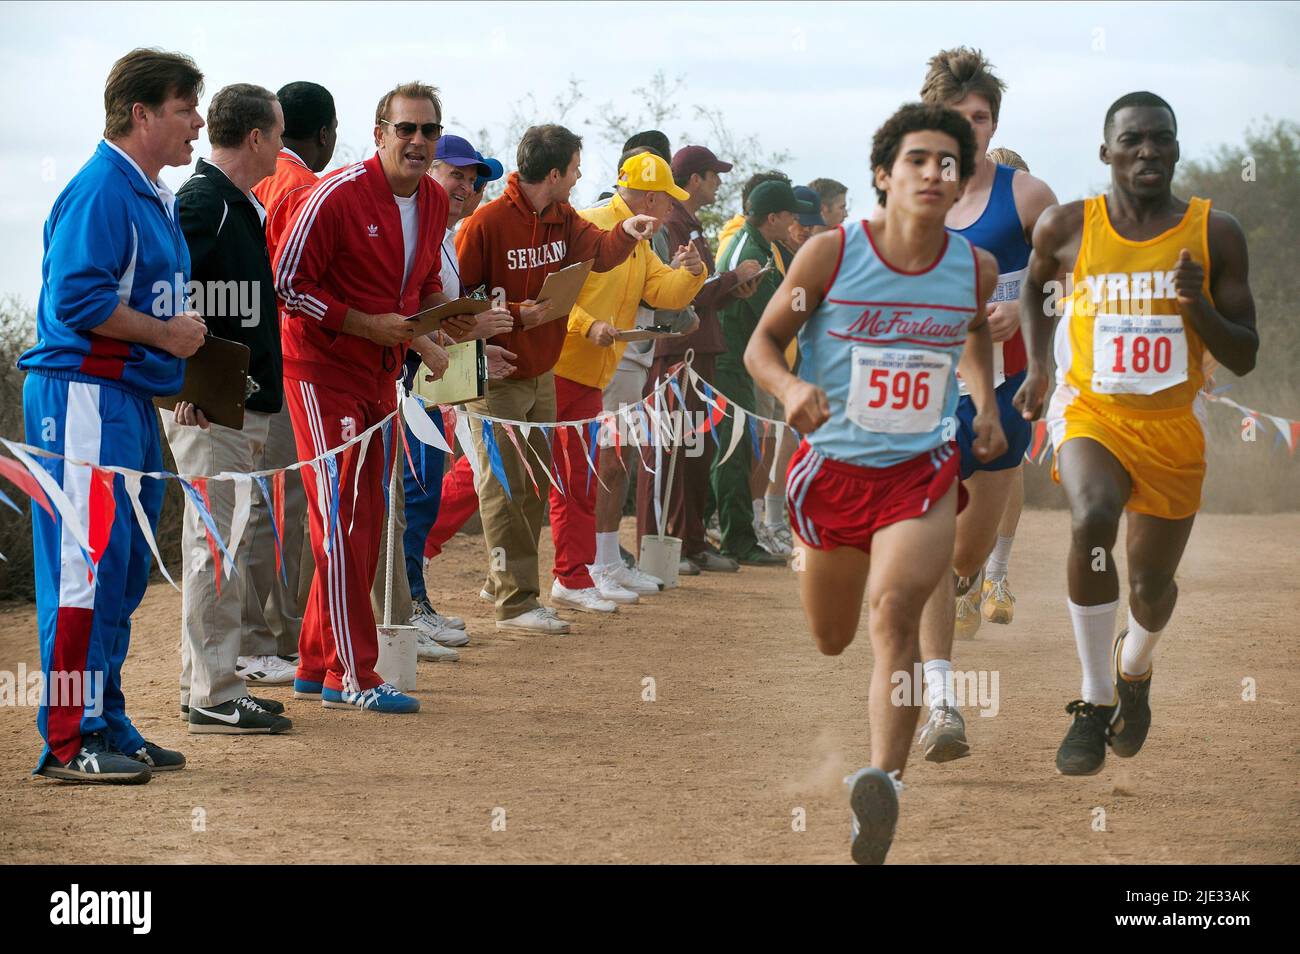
(749, 726)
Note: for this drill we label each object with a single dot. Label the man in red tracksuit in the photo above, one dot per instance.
(510, 245)
(363, 252)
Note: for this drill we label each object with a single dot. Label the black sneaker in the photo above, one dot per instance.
(1083, 751)
(1134, 708)
(272, 706)
(242, 716)
(97, 762)
(159, 759)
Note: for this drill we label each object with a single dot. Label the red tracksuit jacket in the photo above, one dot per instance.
(344, 251)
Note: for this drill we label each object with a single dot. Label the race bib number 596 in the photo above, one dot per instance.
(898, 390)
(1136, 354)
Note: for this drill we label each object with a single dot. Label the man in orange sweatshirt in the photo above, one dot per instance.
(509, 246)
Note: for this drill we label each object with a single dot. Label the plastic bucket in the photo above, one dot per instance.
(661, 557)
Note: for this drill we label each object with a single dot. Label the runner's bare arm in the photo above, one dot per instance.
(1228, 326)
(1056, 244)
(976, 367)
(806, 406)
(1033, 197)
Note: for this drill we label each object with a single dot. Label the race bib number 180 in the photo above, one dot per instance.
(898, 390)
(1137, 354)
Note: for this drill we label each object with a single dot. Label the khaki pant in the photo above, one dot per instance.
(273, 607)
(211, 619)
(511, 525)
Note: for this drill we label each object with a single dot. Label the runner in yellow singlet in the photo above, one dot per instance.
(1157, 281)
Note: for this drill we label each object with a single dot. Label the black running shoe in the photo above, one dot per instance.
(159, 759)
(272, 706)
(97, 762)
(1134, 708)
(1083, 751)
(242, 716)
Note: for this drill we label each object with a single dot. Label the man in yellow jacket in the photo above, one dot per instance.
(606, 306)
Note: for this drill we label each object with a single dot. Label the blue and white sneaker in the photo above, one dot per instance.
(873, 796)
(306, 689)
(383, 698)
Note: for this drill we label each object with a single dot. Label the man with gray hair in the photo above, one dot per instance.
(234, 288)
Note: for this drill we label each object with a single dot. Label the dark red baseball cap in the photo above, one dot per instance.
(699, 159)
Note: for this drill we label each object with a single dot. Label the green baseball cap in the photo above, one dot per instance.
(778, 196)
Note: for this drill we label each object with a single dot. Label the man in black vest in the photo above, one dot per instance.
(234, 289)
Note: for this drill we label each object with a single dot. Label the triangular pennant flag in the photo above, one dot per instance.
(737, 430)
(754, 442)
(562, 438)
(356, 475)
(1295, 436)
(466, 441)
(332, 469)
(132, 484)
(103, 510)
(239, 518)
(528, 468)
(197, 491)
(276, 503)
(495, 463)
(1283, 427)
(589, 453)
(25, 482)
(1040, 434)
(552, 469)
(275, 529)
(406, 448)
(4, 499)
(422, 426)
(56, 497)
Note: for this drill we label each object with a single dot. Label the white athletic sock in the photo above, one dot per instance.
(938, 683)
(1135, 657)
(1094, 634)
(996, 567)
(758, 512)
(774, 510)
(607, 548)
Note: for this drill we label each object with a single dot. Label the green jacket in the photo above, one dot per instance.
(740, 315)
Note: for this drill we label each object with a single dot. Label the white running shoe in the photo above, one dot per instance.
(783, 534)
(265, 670)
(426, 621)
(540, 620)
(587, 600)
(426, 647)
(769, 541)
(608, 584)
(483, 594)
(639, 581)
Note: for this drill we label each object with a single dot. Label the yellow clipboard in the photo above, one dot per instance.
(465, 380)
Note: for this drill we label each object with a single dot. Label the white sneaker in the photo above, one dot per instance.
(588, 600)
(425, 620)
(447, 622)
(540, 620)
(608, 585)
(783, 534)
(426, 647)
(769, 541)
(265, 670)
(483, 594)
(639, 581)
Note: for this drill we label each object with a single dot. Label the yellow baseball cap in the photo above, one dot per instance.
(649, 173)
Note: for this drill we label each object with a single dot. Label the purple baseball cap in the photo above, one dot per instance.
(458, 152)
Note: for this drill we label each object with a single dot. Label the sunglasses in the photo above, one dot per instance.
(431, 131)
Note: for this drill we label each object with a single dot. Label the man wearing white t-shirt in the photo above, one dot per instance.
(456, 167)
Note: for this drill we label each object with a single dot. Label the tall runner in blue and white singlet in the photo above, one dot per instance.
(884, 310)
(996, 212)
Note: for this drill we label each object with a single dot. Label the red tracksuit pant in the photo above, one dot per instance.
(339, 644)
(459, 503)
(573, 513)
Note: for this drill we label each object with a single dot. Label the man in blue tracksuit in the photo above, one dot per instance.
(112, 332)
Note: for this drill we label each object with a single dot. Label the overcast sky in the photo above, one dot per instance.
(810, 79)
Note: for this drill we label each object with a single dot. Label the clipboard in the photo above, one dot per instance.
(431, 319)
(216, 382)
(561, 288)
(465, 380)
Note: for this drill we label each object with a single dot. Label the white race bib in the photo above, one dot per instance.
(1007, 289)
(897, 390)
(1138, 354)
